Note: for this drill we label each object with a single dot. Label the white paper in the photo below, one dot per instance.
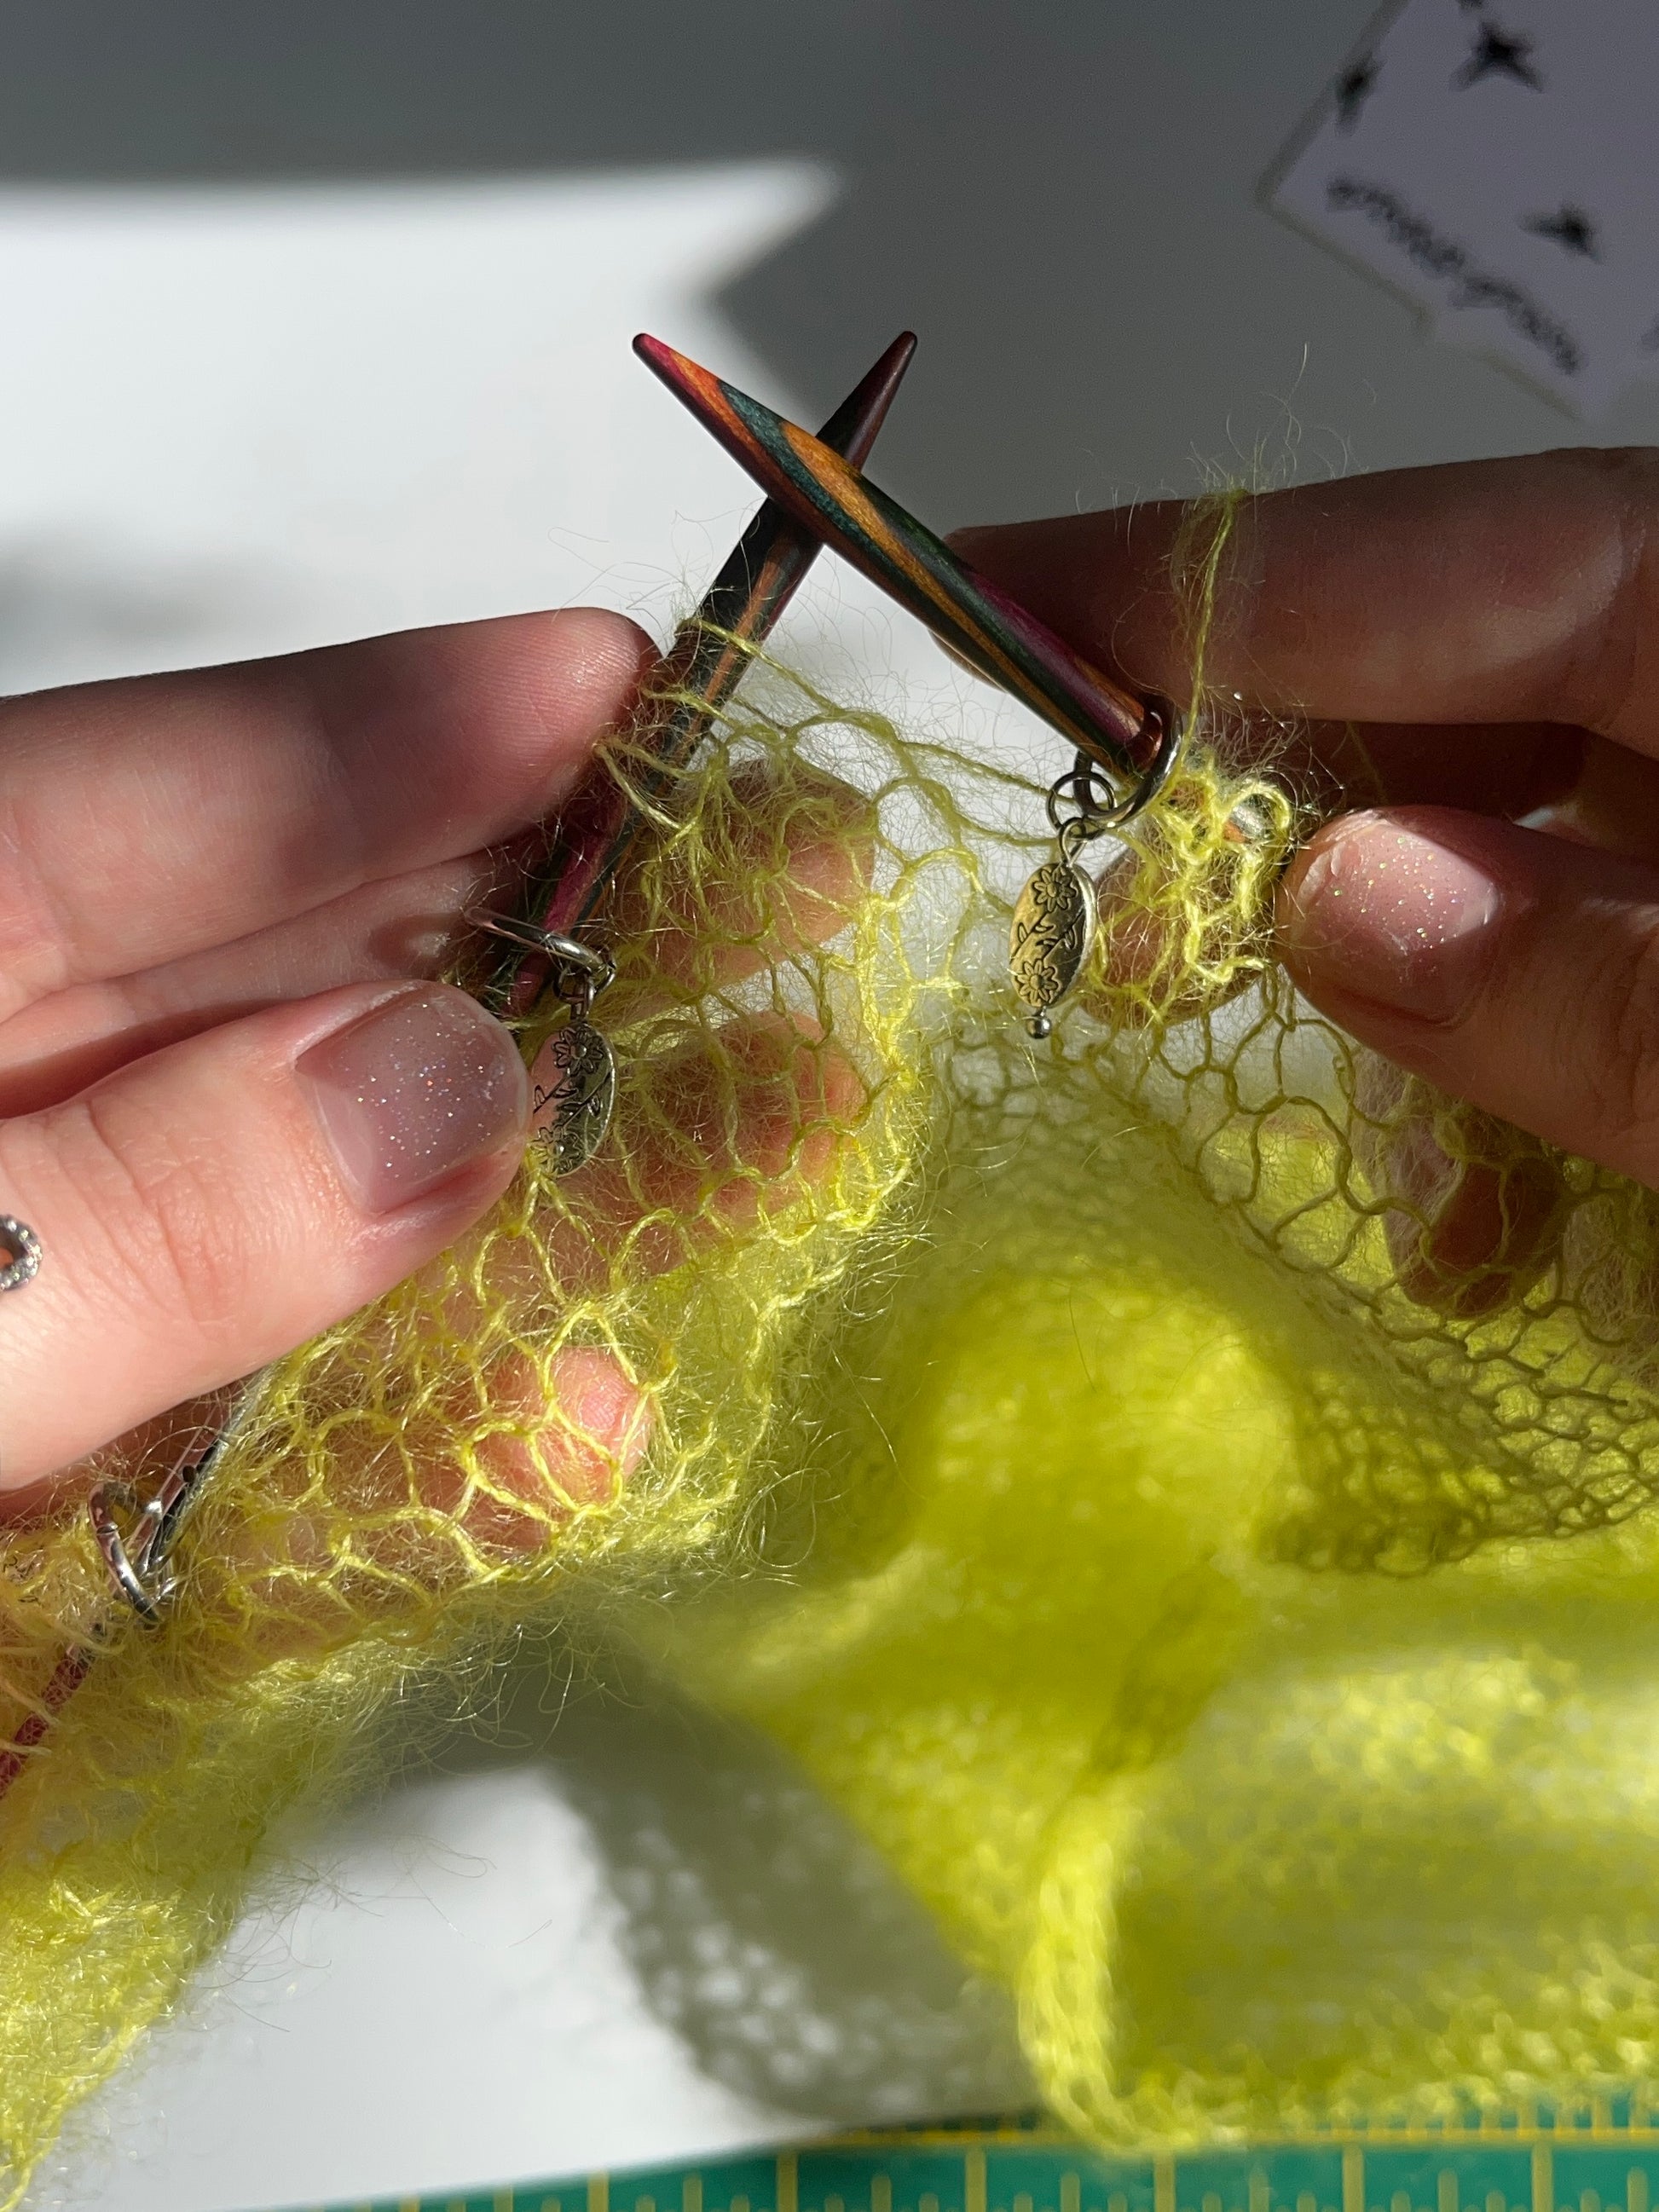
(1500, 165)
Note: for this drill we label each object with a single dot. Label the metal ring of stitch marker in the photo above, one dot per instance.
(1085, 778)
(591, 967)
(130, 1570)
(136, 1555)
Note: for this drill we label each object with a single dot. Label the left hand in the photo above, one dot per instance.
(233, 1103)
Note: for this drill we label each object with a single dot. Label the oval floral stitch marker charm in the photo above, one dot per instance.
(571, 1111)
(1054, 926)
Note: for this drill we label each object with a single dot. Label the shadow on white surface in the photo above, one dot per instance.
(638, 1936)
(1061, 198)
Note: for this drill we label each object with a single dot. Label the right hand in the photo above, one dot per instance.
(1482, 642)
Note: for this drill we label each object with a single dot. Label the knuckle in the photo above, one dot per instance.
(169, 1228)
(35, 932)
(1633, 471)
(1613, 668)
(1615, 1038)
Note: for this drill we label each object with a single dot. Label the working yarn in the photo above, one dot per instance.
(1129, 1473)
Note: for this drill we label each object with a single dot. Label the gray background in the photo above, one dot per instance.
(1058, 195)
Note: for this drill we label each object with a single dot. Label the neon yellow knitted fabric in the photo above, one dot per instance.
(1131, 1474)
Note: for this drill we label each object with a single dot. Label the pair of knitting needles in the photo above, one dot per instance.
(816, 496)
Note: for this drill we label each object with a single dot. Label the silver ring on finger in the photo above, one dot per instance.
(20, 1248)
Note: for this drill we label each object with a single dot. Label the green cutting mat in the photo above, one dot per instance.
(1604, 2160)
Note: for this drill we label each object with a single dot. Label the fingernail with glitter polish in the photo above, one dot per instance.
(1387, 913)
(414, 1091)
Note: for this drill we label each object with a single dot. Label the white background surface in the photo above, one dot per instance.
(238, 419)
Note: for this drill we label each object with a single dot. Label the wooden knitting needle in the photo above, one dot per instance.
(592, 836)
(825, 491)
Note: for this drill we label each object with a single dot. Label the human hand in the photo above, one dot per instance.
(1489, 634)
(233, 1103)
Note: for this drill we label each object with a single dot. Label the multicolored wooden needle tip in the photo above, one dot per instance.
(826, 493)
(702, 666)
